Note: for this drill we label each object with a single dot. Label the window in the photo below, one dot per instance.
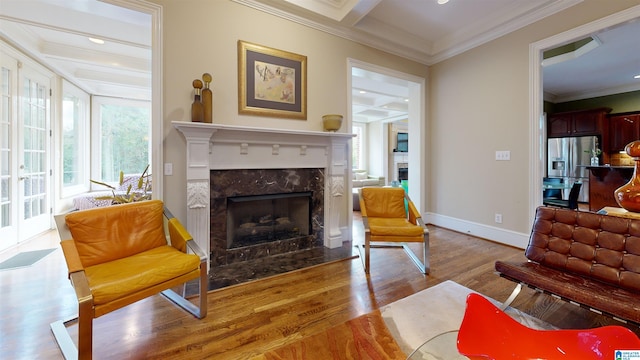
(75, 140)
(359, 144)
(120, 135)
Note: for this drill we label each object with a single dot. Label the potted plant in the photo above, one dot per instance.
(594, 153)
(140, 193)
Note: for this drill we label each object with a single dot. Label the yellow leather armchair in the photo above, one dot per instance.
(119, 254)
(386, 219)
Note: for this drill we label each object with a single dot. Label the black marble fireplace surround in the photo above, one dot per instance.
(243, 182)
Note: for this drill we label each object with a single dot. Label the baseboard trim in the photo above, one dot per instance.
(507, 237)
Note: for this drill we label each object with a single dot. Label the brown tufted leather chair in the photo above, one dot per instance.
(386, 219)
(119, 254)
(584, 257)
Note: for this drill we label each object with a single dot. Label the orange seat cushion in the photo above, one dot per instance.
(394, 227)
(115, 279)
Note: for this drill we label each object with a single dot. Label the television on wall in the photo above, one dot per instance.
(402, 142)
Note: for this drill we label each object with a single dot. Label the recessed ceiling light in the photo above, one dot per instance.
(362, 92)
(96, 41)
(637, 76)
(442, 1)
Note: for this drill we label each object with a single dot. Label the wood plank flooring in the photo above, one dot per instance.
(248, 319)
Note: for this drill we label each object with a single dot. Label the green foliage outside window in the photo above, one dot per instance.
(124, 140)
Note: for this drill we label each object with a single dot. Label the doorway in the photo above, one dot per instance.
(41, 187)
(537, 120)
(25, 145)
(411, 89)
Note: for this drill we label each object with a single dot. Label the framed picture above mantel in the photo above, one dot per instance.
(271, 82)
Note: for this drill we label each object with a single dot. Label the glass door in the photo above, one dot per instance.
(8, 190)
(34, 170)
(25, 164)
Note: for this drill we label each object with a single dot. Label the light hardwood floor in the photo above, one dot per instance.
(248, 319)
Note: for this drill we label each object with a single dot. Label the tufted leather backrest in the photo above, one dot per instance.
(602, 247)
(108, 233)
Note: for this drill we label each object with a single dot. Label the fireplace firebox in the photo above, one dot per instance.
(262, 212)
(403, 171)
(258, 219)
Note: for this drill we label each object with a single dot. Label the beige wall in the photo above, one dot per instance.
(201, 36)
(477, 101)
(478, 104)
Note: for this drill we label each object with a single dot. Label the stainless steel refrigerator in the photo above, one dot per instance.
(568, 158)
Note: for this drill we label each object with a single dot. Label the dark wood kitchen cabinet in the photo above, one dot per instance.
(578, 123)
(624, 128)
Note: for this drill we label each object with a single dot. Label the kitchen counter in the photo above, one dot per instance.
(607, 167)
(603, 181)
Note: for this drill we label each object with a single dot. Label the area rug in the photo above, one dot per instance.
(23, 259)
(393, 331)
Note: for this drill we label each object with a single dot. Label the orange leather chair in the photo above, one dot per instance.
(119, 254)
(386, 219)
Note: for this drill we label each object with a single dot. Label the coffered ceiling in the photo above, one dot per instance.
(58, 33)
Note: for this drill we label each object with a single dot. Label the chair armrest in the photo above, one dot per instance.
(71, 257)
(61, 226)
(421, 223)
(414, 214)
(193, 246)
(81, 287)
(365, 224)
(180, 237)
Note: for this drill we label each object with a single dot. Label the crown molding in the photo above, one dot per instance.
(595, 93)
(341, 31)
(409, 46)
(452, 47)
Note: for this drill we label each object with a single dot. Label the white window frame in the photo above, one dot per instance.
(361, 149)
(96, 163)
(84, 140)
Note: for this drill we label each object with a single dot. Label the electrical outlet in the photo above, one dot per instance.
(498, 219)
(168, 169)
(504, 155)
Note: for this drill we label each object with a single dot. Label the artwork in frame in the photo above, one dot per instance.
(271, 82)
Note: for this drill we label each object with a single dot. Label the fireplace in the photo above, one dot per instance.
(225, 161)
(261, 212)
(403, 174)
(257, 219)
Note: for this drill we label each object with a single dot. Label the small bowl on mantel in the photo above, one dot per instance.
(331, 122)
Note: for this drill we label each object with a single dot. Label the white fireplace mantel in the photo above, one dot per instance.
(220, 147)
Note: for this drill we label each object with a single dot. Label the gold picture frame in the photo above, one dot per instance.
(271, 82)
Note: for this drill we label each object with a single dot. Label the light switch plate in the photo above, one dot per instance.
(503, 155)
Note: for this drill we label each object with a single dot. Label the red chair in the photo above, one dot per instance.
(488, 333)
